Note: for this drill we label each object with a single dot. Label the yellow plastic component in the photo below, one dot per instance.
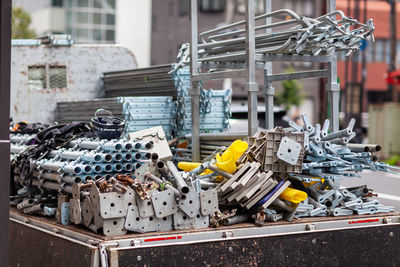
(293, 195)
(188, 166)
(237, 148)
(226, 162)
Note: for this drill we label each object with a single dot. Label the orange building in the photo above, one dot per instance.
(377, 54)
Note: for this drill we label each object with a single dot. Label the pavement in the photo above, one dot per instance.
(386, 185)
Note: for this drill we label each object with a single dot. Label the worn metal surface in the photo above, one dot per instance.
(33, 247)
(84, 65)
(364, 247)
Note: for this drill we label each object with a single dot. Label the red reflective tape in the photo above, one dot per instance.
(163, 238)
(364, 221)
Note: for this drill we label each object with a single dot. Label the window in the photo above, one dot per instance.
(97, 18)
(82, 18)
(183, 7)
(58, 3)
(212, 5)
(47, 77)
(110, 19)
(110, 35)
(57, 77)
(83, 3)
(37, 77)
(91, 21)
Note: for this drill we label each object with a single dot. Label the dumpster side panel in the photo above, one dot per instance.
(371, 246)
(32, 247)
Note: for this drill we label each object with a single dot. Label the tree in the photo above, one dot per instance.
(20, 24)
(291, 94)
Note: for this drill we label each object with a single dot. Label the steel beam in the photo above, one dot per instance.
(269, 91)
(195, 89)
(332, 86)
(5, 65)
(252, 86)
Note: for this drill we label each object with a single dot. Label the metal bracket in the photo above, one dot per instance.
(190, 204)
(289, 150)
(208, 202)
(164, 203)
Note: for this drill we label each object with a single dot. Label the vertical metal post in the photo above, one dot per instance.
(252, 86)
(5, 65)
(332, 85)
(195, 90)
(269, 91)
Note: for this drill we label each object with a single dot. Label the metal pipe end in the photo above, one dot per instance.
(88, 178)
(77, 170)
(128, 146)
(77, 180)
(118, 157)
(185, 190)
(118, 167)
(128, 157)
(108, 158)
(128, 167)
(378, 148)
(108, 168)
(154, 157)
(97, 158)
(118, 146)
(138, 156)
(147, 155)
(148, 145)
(88, 169)
(98, 168)
(160, 165)
(138, 146)
(108, 176)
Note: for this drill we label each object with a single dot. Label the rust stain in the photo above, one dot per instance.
(15, 109)
(23, 72)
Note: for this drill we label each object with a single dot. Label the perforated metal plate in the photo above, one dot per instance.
(137, 224)
(112, 205)
(201, 221)
(87, 211)
(164, 203)
(75, 211)
(65, 213)
(114, 227)
(289, 150)
(146, 206)
(208, 202)
(183, 222)
(191, 204)
(94, 198)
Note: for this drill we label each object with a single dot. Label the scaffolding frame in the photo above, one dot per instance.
(247, 66)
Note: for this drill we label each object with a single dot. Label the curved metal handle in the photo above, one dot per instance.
(104, 110)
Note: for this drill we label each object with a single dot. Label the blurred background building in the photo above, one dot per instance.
(155, 29)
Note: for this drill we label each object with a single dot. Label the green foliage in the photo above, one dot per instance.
(291, 94)
(20, 24)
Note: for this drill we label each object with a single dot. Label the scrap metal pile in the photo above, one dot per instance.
(116, 186)
(325, 35)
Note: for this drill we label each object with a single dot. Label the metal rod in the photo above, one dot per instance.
(180, 183)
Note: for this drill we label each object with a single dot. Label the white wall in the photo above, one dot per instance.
(133, 28)
(84, 64)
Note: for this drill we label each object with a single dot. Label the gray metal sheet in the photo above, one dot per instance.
(164, 203)
(208, 202)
